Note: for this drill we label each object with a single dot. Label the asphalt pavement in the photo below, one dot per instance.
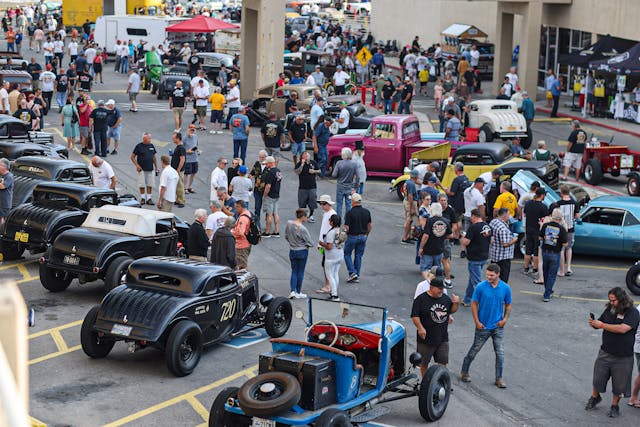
(549, 347)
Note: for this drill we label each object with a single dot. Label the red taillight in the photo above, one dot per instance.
(96, 270)
(41, 260)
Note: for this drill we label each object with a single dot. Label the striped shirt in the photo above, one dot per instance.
(501, 235)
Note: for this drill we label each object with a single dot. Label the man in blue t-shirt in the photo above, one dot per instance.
(240, 125)
(410, 204)
(490, 307)
(556, 89)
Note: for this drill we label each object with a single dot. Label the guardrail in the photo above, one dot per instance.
(14, 373)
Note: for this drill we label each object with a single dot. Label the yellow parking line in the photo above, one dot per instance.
(57, 338)
(57, 328)
(25, 273)
(198, 407)
(36, 423)
(16, 265)
(552, 119)
(53, 355)
(182, 397)
(28, 279)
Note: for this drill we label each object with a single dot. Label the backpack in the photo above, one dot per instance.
(340, 238)
(253, 234)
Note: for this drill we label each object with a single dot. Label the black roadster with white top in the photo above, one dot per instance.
(179, 306)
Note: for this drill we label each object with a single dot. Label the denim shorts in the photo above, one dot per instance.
(428, 261)
(297, 148)
(114, 133)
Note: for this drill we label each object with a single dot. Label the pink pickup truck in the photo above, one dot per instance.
(389, 143)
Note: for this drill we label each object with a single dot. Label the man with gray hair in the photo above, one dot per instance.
(197, 239)
(215, 219)
(145, 161)
(218, 177)
(553, 237)
(346, 172)
(223, 244)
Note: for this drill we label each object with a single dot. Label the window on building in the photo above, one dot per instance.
(137, 32)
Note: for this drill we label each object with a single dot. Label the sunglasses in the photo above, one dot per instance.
(323, 203)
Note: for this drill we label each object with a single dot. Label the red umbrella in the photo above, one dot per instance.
(200, 24)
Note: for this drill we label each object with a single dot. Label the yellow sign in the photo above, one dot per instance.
(364, 56)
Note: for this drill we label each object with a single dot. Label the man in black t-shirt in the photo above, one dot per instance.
(99, 126)
(430, 314)
(178, 159)
(297, 135)
(62, 88)
(534, 211)
(272, 135)
(72, 77)
(619, 323)
(553, 237)
(307, 169)
(436, 230)
(85, 79)
(35, 70)
(405, 97)
(475, 243)
(450, 215)
(575, 148)
(358, 224)
(177, 99)
(25, 114)
(271, 195)
(144, 158)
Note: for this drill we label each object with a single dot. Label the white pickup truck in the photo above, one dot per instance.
(497, 119)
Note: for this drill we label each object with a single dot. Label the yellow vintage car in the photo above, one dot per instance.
(477, 159)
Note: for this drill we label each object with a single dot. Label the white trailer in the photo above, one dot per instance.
(151, 29)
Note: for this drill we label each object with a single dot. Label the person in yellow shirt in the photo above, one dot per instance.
(423, 76)
(507, 200)
(217, 101)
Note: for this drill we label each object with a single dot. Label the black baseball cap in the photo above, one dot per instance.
(437, 282)
(541, 191)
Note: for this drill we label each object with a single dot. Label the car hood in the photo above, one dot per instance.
(147, 312)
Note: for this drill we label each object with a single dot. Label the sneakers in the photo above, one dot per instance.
(465, 377)
(592, 402)
(293, 295)
(546, 299)
(500, 383)
(220, 132)
(150, 202)
(180, 205)
(114, 152)
(526, 271)
(353, 278)
(614, 412)
(212, 132)
(265, 235)
(406, 241)
(447, 284)
(311, 219)
(276, 235)
(334, 297)
(176, 130)
(300, 295)
(465, 304)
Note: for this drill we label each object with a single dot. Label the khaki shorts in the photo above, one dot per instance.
(407, 210)
(201, 111)
(269, 205)
(242, 257)
(166, 206)
(178, 111)
(573, 160)
(146, 179)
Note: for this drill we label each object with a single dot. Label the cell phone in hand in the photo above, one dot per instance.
(592, 316)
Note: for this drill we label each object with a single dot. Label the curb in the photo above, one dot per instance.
(590, 122)
(595, 187)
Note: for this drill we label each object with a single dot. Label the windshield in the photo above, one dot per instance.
(347, 314)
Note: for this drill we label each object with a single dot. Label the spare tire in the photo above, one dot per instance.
(269, 394)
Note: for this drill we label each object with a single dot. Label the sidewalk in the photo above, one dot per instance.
(565, 110)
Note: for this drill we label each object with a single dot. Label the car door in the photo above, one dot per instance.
(631, 235)
(599, 231)
(382, 148)
(223, 308)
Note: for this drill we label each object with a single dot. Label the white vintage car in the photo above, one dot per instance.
(497, 119)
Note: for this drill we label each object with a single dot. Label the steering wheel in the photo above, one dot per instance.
(323, 335)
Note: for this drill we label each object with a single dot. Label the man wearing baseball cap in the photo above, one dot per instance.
(343, 118)
(357, 221)
(405, 97)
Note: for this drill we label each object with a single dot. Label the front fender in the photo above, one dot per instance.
(398, 181)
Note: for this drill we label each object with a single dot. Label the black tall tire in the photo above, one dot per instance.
(526, 142)
(633, 279)
(218, 417)
(400, 190)
(154, 88)
(11, 251)
(161, 92)
(520, 248)
(633, 185)
(93, 345)
(434, 393)
(593, 172)
(285, 395)
(278, 317)
(54, 280)
(115, 271)
(486, 131)
(333, 417)
(184, 348)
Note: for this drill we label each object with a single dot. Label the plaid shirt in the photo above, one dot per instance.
(501, 235)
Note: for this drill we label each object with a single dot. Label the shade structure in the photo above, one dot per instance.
(200, 24)
(605, 47)
(627, 63)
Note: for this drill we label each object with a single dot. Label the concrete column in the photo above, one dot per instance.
(503, 47)
(262, 38)
(530, 46)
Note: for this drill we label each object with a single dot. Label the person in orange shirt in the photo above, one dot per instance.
(217, 101)
(11, 40)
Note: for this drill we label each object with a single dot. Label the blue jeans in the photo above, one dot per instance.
(550, 265)
(240, 147)
(322, 159)
(257, 196)
(343, 195)
(298, 263)
(387, 104)
(355, 243)
(100, 143)
(61, 99)
(428, 261)
(481, 337)
(11, 47)
(404, 108)
(360, 189)
(442, 123)
(124, 65)
(475, 276)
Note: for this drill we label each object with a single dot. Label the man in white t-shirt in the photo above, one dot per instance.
(475, 56)
(168, 185)
(233, 100)
(47, 84)
(133, 88)
(48, 51)
(102, 173)
(343, 118)
(340, 80)
(326, 204)
(196, 79)
(219, 178)
(473, 199)
(5, 106)
(73, 49)
(201, 96)
(513, 77)
(215, 219)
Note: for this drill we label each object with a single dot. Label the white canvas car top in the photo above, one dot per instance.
(125, 219)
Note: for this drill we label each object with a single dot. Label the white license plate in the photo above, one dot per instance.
(626, 161)
(71, 259)
(261, 422)
(121, 329)
(625, 171)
